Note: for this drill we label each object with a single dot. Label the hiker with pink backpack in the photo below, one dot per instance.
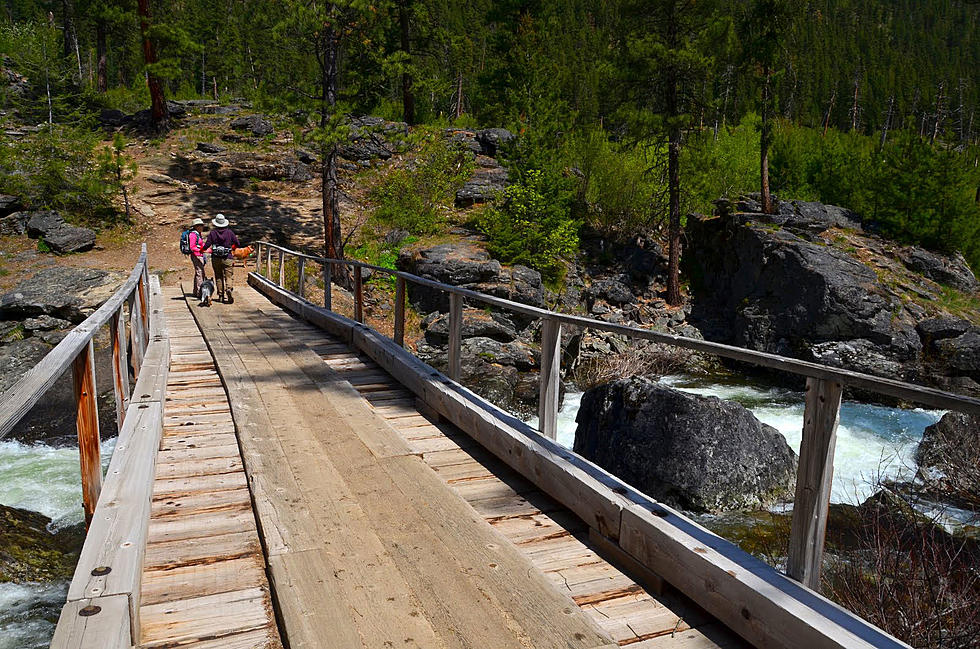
(192, 244)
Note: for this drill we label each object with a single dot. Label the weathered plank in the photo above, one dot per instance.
(94, 623)
(87, 427)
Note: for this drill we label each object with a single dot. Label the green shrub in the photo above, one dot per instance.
(533, 226)
(414, 197)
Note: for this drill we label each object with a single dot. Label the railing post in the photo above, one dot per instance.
(327, 285)
(87, 426)
(120, 371)
(302, 276)
(400, 311)
(268, 262)
(455, 334)
(282, 268)
(258, 257)
(358, 295)
(549, 378)
(813, 481)
(135, 332)
(144, 300)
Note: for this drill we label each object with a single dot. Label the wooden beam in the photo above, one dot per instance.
(282, 268)
(813, 481)
(301, 282)
(455, 335)
(327, 286)
(87, 426)
(95, 623)
(358, 295)
(120, 366)
(400, 312)
(549, 378)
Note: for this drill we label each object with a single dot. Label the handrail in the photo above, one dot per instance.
(76, 351)
(924, 395)
(824, 388)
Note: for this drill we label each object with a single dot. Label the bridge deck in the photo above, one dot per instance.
(380, 527)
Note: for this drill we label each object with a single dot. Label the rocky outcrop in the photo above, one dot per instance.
(257, 125)
(949, 459)
(58, 235)
(788, 285)
(698, 453)
(62, 292)
(372, 138)
(468, 266)
(476, 324)
(487, 183)
(29, 552)
(9, 204)
(14, 224)
(240, 167)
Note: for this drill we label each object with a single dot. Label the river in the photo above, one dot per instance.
(44, 479)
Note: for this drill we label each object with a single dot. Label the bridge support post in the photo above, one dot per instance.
(358, 294)
(302, 276)
(455, 334)
(282, 268)
(400, 312)
(87, 426)
(813, 481)
(120, 369)
(549, 378)
(328, 286)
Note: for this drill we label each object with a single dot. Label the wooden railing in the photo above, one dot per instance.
(102, 609)
(824, 384)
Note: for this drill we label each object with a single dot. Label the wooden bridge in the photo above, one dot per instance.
(287, 476)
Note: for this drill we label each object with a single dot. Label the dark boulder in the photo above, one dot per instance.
(941, 328)
(113, 118)
(949, 459)
(210, 147)
(698, 453)
(254, 124)
(952, 270)
(610, 291)
(15, 224)
(487, 183)
(9, 204)
(17, 357)
(476, 324)
(961, 353)
(492, 139)
(59, 235)
(31, 553)
(467, 266)
(63, 292)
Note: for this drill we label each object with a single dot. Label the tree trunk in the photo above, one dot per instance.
(158, 105)
(70, 35)
(102, 74)
(673, 175)
(458, 109)
(408, 97)
(767, 203)
(332, 242)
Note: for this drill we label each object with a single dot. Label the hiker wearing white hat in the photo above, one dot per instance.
(221, 241)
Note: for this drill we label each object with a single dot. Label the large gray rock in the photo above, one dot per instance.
(492, 139)
(62, 292)
(9, 204)
(477, 323)
(487, 183)
(254, 124)
(15, 224)
(952, 270)
(17, 357)
(949, 459)
(697, 453)
(59, 235)
(468, 266)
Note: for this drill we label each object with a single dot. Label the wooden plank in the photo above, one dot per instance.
(171, 624)
(95, 623)
(200, 525)
(811, 505)
(455, 335)
(87, 427)
(184, 582)
(205, 483)
(549, 378)
(169, 554)
(117, 536)
(216, 502)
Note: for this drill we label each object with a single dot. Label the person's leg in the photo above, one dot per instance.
(198, 274)
(219, 277)
(229, 276)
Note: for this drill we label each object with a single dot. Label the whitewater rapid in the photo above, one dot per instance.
(873, 442)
